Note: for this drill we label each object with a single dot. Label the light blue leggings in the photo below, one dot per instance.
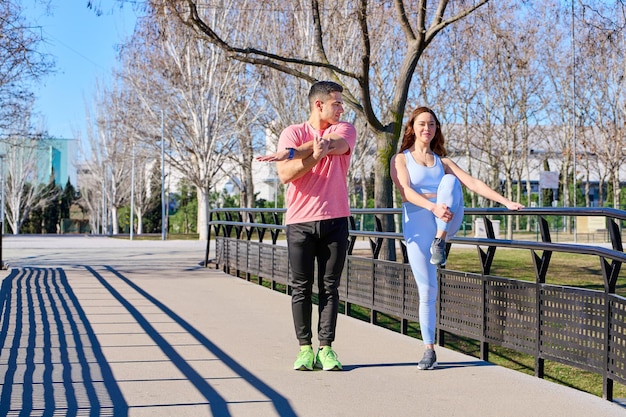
(419, 228)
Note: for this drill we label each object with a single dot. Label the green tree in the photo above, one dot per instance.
(184, 218)
(51, 207)
(45, 215)
(152, 217)
(69, 196)
(32, 224)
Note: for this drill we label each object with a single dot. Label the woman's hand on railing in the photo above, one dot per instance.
(512, 205)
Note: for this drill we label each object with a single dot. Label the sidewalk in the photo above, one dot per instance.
(140, 328)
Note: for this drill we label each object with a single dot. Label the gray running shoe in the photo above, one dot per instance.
(429, 360)
(438, 252)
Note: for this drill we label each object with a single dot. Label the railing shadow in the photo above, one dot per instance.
(50, 359)
(51, 362)
(217, 404)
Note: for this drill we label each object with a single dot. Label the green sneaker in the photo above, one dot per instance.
(327, 359)
(305, 359)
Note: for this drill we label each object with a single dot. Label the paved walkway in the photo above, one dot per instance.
(99, 326)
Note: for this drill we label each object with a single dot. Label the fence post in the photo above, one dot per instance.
(208, 239)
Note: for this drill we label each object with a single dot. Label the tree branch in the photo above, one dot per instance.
(243, 54)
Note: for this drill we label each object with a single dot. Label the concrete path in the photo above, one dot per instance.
(100, 326)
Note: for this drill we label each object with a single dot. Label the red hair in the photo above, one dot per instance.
(436, 145)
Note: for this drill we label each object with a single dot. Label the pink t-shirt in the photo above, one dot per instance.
(321, 193)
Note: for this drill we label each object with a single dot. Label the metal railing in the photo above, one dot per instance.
(579, 327)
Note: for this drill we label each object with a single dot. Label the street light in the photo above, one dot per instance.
(574, 115)
(132, 193)
(163, 219)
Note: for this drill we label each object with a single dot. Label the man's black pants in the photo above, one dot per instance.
(324, 241)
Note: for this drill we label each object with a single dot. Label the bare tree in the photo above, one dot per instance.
(489, 88)
(561, 95)
(587, 162)
(246, 111)
(414, 25)
(285, 101)
(514, 83)
(91, 198)
(143, 163)
(21, 67)
(110, 153)
(25, 190)
(141, 158)
(20, 64)
(202, 94)
(603, 49)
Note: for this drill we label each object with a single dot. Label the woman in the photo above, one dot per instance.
(432, 210)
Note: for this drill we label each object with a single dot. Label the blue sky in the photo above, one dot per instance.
(83, 46)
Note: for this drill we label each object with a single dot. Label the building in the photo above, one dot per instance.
(58, 156)
(39, 158)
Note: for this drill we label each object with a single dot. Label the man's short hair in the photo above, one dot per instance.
(322, 89)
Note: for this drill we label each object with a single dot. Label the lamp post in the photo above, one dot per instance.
(574, 116)
(132, 193)
(275, 172)
(163, 203)
(104, 208)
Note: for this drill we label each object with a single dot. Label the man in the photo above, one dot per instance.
(313, 158)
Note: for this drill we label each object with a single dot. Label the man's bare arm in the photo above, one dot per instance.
(337, 146)
(289, 170)
(301, 152)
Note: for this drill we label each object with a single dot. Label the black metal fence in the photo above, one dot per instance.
(579, 327)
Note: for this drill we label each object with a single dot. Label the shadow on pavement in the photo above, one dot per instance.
(50, 359)
(440, 366)
(51, 362)
(217, 404)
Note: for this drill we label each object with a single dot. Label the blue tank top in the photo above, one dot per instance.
(424, 179)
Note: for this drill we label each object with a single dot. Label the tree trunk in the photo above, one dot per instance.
(249, 200)
(616, 190)
(509, 195)
(114, 223)
(139, 215)
(587, 198)
(203, 214)
(386, 144)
